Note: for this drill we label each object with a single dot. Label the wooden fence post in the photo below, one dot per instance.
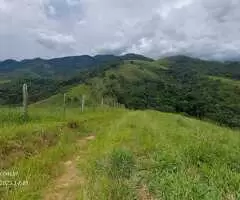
(25, 101)
(102, 103)
(83, 102)
(64, 105)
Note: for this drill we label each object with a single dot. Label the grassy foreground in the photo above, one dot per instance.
(136, 154)
(153, 155)
(34, 149)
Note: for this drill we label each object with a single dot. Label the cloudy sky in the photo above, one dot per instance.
(53, 28)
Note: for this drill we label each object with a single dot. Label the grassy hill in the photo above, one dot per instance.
(135, 155)
(176, 84)
(151, 85)
(115, 153)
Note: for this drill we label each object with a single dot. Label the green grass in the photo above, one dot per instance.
(74, 93)
(132, 71)
(164, 63)
(4, 81)
(226, 80)
(136, 70)
(35, 148)
(173, 156)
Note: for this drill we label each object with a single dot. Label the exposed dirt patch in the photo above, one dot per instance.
(230, 196)
(143, 193)
(90, 138)
(65, 186)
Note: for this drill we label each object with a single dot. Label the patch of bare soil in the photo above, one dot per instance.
(143, 193)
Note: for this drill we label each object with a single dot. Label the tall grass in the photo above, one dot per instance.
(35, 147)
(175, 158)
(163, 155)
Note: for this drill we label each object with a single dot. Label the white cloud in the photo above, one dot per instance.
(73, 2)
(203, 28)
(4, 7)
(52, 11)
(56, 37)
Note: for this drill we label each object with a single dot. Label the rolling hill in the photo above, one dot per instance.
(176, 84)
(141, 84)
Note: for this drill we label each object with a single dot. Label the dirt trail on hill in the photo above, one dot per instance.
(65, 186)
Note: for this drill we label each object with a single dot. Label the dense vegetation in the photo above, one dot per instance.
(58, 68)
(177, 88)
(176, 84)
(227, 69)
(42, 88)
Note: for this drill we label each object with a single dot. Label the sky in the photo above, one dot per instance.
(208, 29)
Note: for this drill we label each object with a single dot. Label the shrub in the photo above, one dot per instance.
(72, 125)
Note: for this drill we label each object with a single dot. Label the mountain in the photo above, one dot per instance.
(59, 68)
(230, 69)
(132, 56)
(207, 90)
(8, 65)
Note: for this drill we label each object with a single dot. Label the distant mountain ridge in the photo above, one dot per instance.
(230, 69)
(59, 67)
(67, 67)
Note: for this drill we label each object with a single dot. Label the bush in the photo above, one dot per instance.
(72, 125)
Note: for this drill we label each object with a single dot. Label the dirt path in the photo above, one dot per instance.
(143, 193)
(65, 186)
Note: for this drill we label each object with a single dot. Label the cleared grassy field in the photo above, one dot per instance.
(136, 154)
(226, 80)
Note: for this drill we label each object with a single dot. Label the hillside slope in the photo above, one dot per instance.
(228, 69)
(152, 85)
(153, 155)
(136, 155)
(175, 84)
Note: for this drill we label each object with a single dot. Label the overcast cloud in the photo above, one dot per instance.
(53, 28)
